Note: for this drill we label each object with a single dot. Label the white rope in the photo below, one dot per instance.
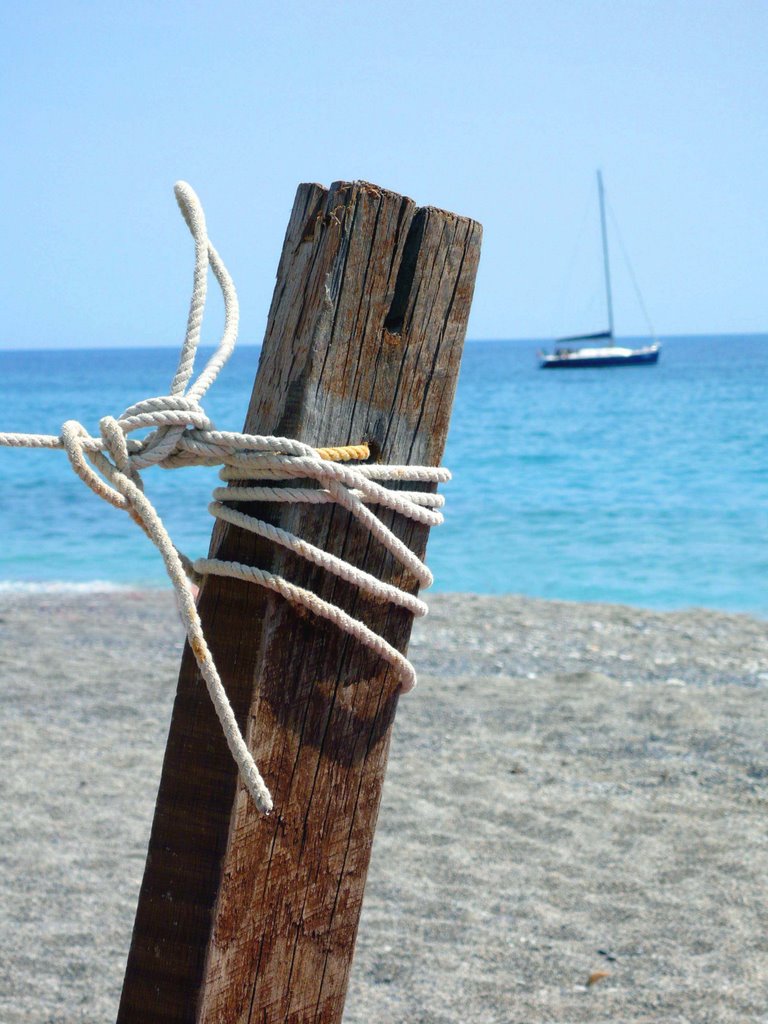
(183, 435)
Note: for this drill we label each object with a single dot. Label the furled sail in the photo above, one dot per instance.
(599, 336)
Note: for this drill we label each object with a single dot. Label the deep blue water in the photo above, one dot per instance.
(640, 485)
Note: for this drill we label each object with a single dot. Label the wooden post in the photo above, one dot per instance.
(244, 918)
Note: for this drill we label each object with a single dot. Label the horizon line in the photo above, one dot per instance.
(469, 341)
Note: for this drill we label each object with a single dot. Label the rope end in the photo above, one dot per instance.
(257, 790)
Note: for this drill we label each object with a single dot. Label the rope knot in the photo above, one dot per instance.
(170, 416)
(165, 411)
(257, 469)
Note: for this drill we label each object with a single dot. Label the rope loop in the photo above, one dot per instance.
(256, 469)
(116, 444)
(73, 435)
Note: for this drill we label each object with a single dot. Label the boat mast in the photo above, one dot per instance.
(606, 264)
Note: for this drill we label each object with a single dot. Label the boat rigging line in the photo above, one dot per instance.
(631, 269)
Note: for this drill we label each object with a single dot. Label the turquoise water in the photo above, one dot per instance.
(640, 485)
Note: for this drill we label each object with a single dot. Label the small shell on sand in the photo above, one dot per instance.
(596, 976)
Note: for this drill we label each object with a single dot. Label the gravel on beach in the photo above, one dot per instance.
(573, 791)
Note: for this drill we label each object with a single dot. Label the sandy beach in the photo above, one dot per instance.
(572, 789)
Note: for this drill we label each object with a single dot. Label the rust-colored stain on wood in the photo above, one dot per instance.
(243, 918)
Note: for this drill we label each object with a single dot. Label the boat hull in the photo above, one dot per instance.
(640, 357)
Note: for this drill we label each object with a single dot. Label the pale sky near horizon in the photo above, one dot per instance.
(498, 110)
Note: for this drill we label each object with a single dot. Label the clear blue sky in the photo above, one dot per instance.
(498, 110)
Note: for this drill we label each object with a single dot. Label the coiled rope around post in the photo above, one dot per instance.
(181, 434)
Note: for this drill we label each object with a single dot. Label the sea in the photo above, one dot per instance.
(640, 485)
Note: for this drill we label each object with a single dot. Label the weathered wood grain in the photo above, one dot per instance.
(246, 918)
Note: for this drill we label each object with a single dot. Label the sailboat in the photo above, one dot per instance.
(607, 354)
